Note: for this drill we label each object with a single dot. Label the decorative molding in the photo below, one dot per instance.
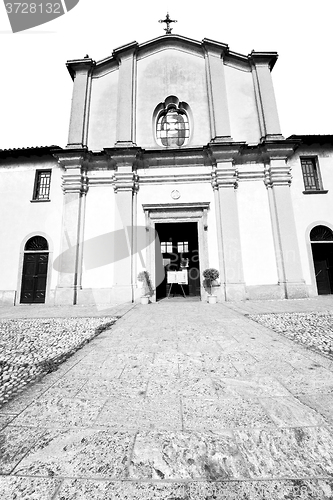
(172, 211)
(126, 181)
(277, 175)
(224, 177)
(174, 178)
(101, 180)
(175, 194)
(151, 207)
(74, 178)
(252, 173)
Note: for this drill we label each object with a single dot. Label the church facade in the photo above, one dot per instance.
(174, 155)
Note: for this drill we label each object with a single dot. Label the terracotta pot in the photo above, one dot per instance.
(145, 300)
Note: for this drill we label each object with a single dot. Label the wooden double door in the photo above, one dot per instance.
(34, 277)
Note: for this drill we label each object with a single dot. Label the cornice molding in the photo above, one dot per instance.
(263, 59)
(175, 179)
(153, 207)
(195, 47)
(224, 151)
(77, 66)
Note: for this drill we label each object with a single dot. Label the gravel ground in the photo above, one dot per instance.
(30, 348)
(313, 330)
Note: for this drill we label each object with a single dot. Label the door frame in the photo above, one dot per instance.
(49, 300)
(313, 291)
(36, 262)
(173, 213)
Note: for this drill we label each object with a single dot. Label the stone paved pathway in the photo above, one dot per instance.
(177, 401)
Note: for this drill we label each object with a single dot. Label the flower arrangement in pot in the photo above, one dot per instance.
(211, 275)
(147, 286)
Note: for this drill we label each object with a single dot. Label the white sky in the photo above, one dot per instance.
(36, 88)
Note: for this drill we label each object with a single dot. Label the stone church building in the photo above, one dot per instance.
(175, 154)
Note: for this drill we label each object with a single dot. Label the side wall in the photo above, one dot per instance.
(311, 209)
(24, 219)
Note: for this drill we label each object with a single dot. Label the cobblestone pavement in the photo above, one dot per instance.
(177, 401)
(44, 311)
(312, 329)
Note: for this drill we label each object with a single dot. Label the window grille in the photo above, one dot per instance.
(321, 233)
(42, 185)
(36, 243)
(311, 175)
(173, 128)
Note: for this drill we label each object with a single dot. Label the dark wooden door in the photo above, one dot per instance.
(34, 277)
(322, 276)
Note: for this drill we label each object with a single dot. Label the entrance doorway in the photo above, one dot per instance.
(322, 251)
(180, 251)
(34, 274)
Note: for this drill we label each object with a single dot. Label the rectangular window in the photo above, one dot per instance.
(166, 246)
(311, 174)
(42, 185)
(182, 246)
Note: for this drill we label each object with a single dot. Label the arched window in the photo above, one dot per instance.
(321, 233)
(172, 125)
(36, 243)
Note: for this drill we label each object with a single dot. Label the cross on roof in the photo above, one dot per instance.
(167, 21)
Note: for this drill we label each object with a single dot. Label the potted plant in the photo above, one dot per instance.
(211, 275)
(147, 286)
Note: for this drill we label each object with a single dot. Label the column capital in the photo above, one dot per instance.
(277, 173)
(126, 181)
(74, 178)
(80, 66)
(125, 156)
(224, 152)
(214, 48)
(263, 58)
(224, 175)
(125, 51)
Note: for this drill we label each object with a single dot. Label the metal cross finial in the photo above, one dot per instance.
(167, 21)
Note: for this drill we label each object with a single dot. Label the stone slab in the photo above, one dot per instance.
(186, 455)
(78, 453)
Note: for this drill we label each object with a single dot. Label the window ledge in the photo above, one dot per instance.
(315, 191)
(38, 201)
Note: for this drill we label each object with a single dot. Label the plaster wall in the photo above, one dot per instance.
(23, 218)
(243, 114)
(256, 234)
(99, 220)
(171, 72)
(311, 209)
(103, 111)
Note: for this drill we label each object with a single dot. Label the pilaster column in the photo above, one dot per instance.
(224, 182)
(69, 262)
(126, 185)
(217, 93)
(262, 64)
(81, 72)
(126, 95)
(278, 180)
